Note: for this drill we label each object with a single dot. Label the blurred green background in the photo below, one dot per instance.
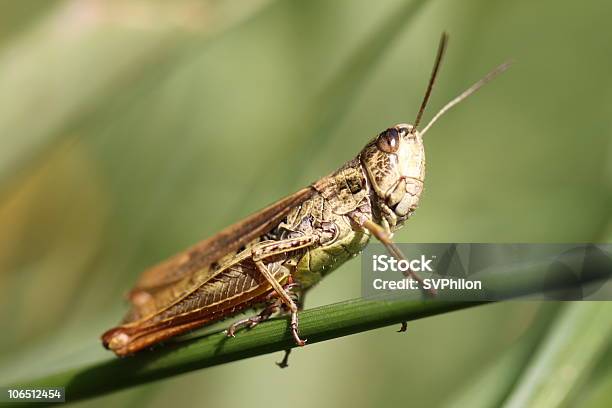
(132, 129)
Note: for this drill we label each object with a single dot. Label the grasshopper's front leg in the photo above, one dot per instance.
(384, 237)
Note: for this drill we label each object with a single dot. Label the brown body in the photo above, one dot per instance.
(218, 278)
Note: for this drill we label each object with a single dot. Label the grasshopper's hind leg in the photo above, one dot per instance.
(274, 304)
(253, 321)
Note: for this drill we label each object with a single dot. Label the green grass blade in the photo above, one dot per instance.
(494, 383)
(565, 359)
(316, 325)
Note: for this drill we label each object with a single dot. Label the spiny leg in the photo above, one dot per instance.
(271, 249)
(403, 328)
(253, 321)
(284, 363)
(274, 304)
(384, 237)
(287, 301)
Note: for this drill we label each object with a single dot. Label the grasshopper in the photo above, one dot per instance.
(270, 259)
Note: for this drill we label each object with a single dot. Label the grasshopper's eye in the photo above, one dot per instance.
(388, 141)
(404, 131)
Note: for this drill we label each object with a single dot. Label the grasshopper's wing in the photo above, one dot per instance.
(163, 283)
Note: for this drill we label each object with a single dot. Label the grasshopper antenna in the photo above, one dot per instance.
(472, 89)
(432, 79)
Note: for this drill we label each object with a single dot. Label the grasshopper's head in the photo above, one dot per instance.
(394, 162)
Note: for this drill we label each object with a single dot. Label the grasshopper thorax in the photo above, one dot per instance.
(394, 163)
